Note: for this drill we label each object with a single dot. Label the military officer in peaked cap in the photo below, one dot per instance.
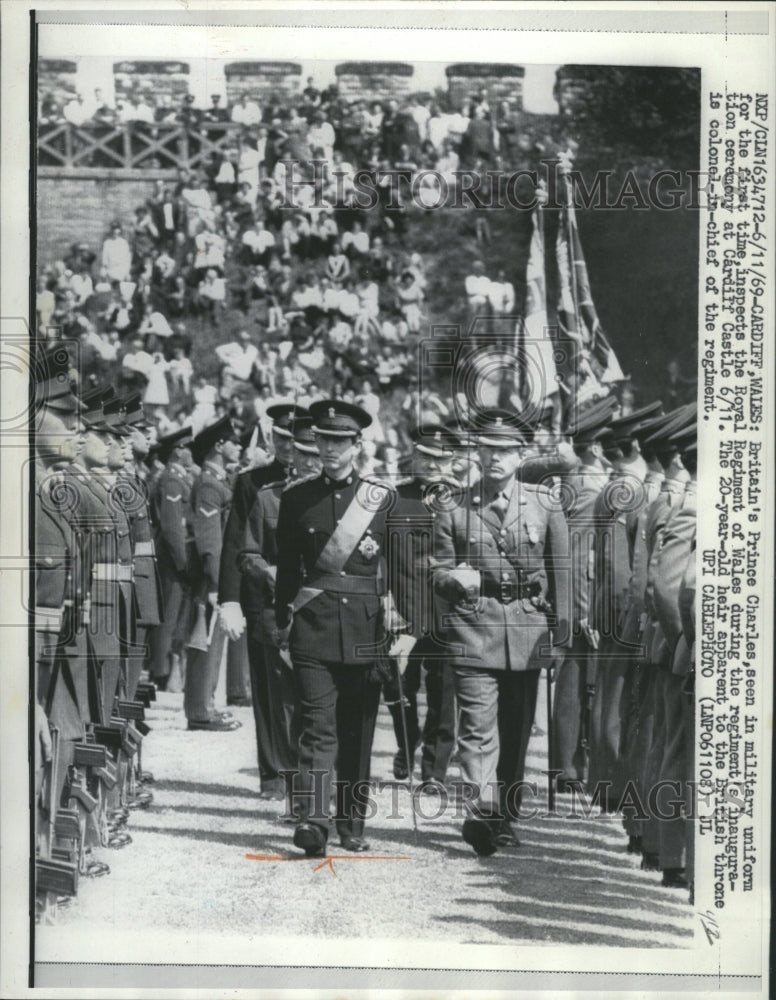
(576, 676)
(211, 495)
(240, 594)
(409, 545)
(332, 528)
(501, 575)
(174, 543)
(278, 718)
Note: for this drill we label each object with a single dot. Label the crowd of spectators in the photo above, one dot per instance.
(320, 295)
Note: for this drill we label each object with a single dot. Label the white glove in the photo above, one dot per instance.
(468, 580)
(232, 620)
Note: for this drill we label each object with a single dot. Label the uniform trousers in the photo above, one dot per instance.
(338, 707)
(606, 717)
(169, 637)
(439, 725)
(639, 708)
(496, 711)
(202, 670)
(672, 772)
(569, 707)
(690, 798)
(238, 675)
(275, 709)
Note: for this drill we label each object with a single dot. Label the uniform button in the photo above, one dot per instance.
(505, 577)
(343, 573)
(344, 600)
(311, 531)
(337, 496)
(502, 533)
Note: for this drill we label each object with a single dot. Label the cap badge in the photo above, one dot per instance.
(499, 421)
(331, 412)
(368, 547)
(438, 436)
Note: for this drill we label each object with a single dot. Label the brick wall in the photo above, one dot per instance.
(79, 209)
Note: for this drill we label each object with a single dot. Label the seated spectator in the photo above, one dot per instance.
(211, 293)
(337, 264)
(136, 366)
(258, 240)
(501, 294)
(237, 360)
(410, 293)
(210, 250)
(77, 112)
(81, 286)
(45, 304)
(355, 242)
(154, 325)
(198, 204)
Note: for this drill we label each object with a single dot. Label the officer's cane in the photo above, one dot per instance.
(409, 760)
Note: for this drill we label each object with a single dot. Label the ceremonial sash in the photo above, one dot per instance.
(340, 546)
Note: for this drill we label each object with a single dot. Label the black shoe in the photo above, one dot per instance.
(355, 844)
(239, 702)
(479, 835)
(400, 770)
(634, 845)
(673, 878)
(311, 839)
(650, 862)
(505, 836)
(433, 786)
(273, 793)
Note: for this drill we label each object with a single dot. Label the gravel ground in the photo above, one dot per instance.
(186, 879)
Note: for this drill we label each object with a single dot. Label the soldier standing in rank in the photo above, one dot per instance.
(637, 695)
(655, 649)
(500, 572)
(174, 542)
(332, 529)
(576, 676)
(676, 547)
(65, 687)
(409, 546)
(147, 585)
(213, 449)
(612, 577)
(240, 594)
(258, 563)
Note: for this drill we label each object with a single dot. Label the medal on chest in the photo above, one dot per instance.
(368, 547)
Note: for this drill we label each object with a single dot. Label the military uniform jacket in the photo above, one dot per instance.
(524, 565)
(173, 519)
(671, 494)
(55, 557)
(148, 591)
(612, 571)
(583, 488)
(260, 552)
(211, 497)
(677, 549)
(343, 622)
(232, 585)
(97, 594)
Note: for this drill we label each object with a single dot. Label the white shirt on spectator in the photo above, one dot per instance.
(140, 361)
(214, 289)
(210, 250)
(501, 296)
(258, 240)
(82, 287)
(359, 241)
(238, 361)
(116, 258)
(247, 114)
(478, 288)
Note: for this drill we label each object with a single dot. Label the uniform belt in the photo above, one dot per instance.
(344, 584)
(511, 590)
(48, 619)
(112, 572)
(144, 548)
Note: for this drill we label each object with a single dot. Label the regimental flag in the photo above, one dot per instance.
(594, 362)
(540, 377)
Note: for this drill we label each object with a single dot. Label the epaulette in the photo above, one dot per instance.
(278, 482)
(298, 482)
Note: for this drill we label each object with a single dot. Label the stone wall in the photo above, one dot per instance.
(500, 81)
(374, 81)
(261, 80)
